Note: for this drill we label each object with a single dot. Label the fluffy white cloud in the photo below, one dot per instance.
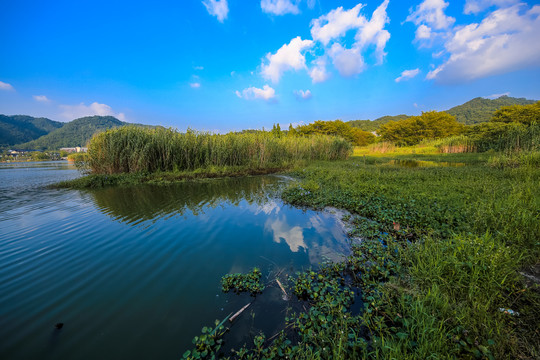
(303, 95)
(336, 23)
(217, 8)
(407, 74)
(195, 85)
(41, 98)
(348, 62)
(430, 15)
(431, 12)
(506, 40)
(476, 6)
(71, 112)
(318, 72)
(6, 86)
(279, 7)
(288, 57)
(251, 93)
(328, 30)
(423, 32)
(372, 32)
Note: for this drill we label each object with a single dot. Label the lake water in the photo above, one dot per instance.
(135, 272)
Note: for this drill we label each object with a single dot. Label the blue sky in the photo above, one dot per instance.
(231, 65)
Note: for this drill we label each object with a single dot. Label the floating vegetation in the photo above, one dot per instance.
(250, 282)
(209, 343)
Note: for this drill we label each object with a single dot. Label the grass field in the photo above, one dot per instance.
(465, 234)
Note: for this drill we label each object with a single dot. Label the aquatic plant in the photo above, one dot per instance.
(250, 282)
(208, 344)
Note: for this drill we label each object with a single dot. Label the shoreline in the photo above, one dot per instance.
(97, 181)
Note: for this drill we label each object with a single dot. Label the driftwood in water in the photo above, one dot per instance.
(282, 288)
(239, 312)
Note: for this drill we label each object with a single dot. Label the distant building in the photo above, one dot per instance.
(77, 149)
(69, 150)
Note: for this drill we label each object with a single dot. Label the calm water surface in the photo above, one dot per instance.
(135, 272)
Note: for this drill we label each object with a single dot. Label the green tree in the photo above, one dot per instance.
(39, 156)
(523, 114)
(429, 125)
(292, 131)
(338, 128)
(276, 130)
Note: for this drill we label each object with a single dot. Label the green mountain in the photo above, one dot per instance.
(480, 110)
(73, 133)
(373, 125)
(475, 111)
(16, 129)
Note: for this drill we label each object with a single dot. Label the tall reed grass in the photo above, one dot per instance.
(522, 138)
(133, 150)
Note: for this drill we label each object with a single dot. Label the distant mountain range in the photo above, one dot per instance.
(18, 129)
(26, 132)
(475, 111)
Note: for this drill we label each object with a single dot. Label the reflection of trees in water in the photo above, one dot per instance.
(147, 202)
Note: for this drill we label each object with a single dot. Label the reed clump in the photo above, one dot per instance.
(136, 150)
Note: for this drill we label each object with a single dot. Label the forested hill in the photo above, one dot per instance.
(373, 125)
(475, 111)
(73, 133)
(16, 129)
(480, 110)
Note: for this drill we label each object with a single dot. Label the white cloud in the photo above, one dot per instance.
(408, 74)
(506, 40)
(251, 93)
(348, 62)
(195, 85)
(430, 15)
(423, 32)
(372, 32)
(496, 96)
(477, 6)
(279, 7)
(198, 67)
(431, 12)
(303, 95)
(41, 98)
(6, 86)
(288, 57)
(318, 72)
(336, 23)
(311, 4)
(328, 30)
(217, 8)
(71, 112)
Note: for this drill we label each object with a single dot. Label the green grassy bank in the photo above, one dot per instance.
(96, 181)
(444, 268)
